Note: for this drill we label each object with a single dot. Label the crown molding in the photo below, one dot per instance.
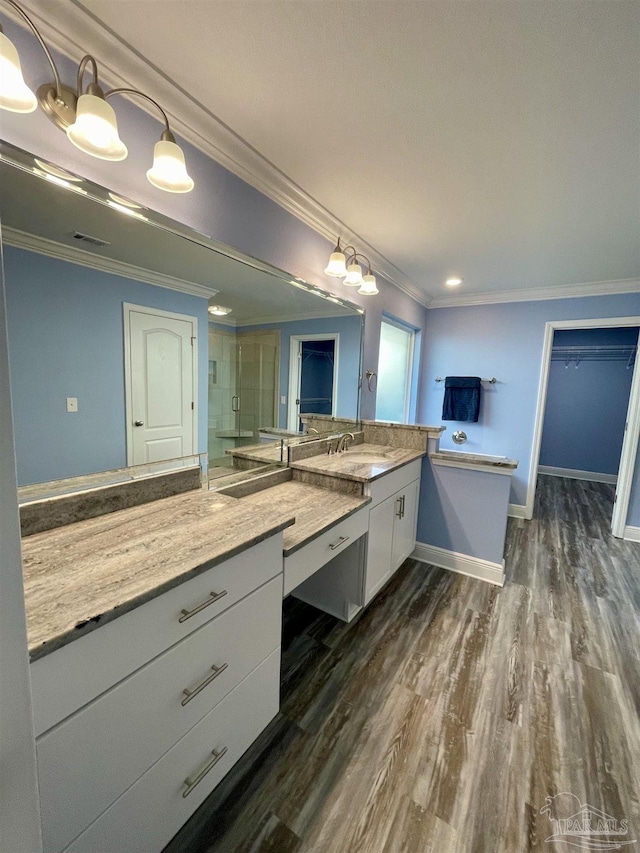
(562, 291)
(43, 246)
(73, 30)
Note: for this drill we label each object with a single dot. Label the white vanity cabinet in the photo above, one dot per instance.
(127, 765)
(393, 516)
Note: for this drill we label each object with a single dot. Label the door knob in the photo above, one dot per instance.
(138, 423)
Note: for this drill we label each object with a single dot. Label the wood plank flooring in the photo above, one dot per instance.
(441, 719)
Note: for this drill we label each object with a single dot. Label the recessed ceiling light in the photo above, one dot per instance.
(219, 310)
(454, 281)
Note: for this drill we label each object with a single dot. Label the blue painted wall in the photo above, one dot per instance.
(66, 340)
(349, 329)
(503, 340)
(463, 511)
(587, 405)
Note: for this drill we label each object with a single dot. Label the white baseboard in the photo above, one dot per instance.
(631, 534)
(463, 564)
(577, 474)
(518, 511)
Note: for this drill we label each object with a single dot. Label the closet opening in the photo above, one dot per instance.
(588, 418)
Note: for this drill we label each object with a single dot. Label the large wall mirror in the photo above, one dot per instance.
(115, 359)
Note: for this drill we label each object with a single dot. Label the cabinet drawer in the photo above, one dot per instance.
(68, 678)
(85, 763)
(304, 562)
(384, 487)
(149, 814)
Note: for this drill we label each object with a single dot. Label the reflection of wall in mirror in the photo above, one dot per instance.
(66, 340)
(349, 329)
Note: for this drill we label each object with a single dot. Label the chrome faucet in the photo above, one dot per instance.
(344, 441)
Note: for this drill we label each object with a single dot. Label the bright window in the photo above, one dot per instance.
(394, 372)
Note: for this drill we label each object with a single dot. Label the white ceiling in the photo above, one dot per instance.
(496, 140)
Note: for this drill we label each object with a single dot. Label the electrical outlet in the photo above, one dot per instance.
(283, 401)
(72, 404)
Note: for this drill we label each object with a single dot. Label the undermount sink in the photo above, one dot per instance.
(365, 457)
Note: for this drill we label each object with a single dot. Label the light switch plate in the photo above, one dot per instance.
(72, 404)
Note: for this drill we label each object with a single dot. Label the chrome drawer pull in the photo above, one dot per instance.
(189, 694)
(215, 596)
(337, 544)
(192, 781)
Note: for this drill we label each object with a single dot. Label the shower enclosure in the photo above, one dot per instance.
(243, 389)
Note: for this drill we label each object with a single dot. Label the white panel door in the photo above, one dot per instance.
(162, 382)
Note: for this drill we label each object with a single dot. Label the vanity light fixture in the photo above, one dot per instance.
(56, 171)
(454, 281)
(350, 270)
(86, 116)
(219, 310)
(67, 185)
(125, 202)
(129, 211)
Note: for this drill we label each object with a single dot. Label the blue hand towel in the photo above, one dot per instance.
(461, 398)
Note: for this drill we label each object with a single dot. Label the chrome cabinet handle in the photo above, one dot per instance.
(189, 694)
(235, 407)
(399, 510)
(215, 596)
(402, 506)
(192, 781)
(337, 544)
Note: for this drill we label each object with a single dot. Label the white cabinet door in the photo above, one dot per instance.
(380, 546)
(404, 524)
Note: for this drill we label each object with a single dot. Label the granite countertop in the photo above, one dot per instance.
(86, 574)
(266, 451)
(453, 457)
(348, 466)
(435, 430)
(315, 509)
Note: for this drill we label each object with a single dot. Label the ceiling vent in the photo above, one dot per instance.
(87, 238)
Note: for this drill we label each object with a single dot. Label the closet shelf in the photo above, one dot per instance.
(619, 352)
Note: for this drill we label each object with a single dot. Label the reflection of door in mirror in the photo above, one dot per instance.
(161, 383)
(243, 369)
(315, 380)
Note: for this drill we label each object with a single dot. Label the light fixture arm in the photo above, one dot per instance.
(34, 29)
(356, 255)
(93, 87)
(167, 135)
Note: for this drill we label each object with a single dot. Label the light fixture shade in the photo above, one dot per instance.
(218, 310)
(95, 130)
(354, 275)
(15, 95)
(336, 266)
(368, 286)
(169, 171)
